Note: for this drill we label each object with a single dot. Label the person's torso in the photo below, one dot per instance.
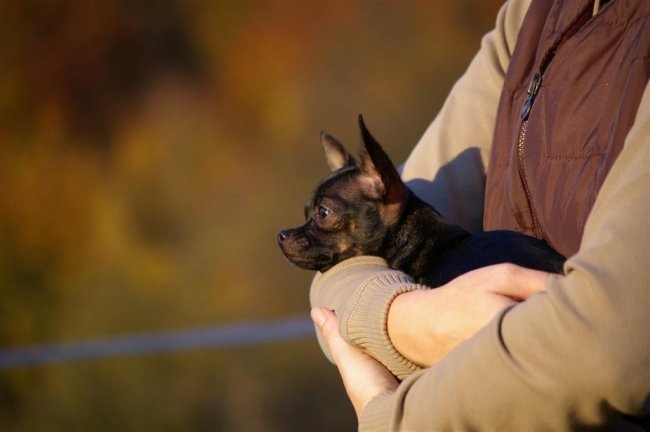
(569, 99)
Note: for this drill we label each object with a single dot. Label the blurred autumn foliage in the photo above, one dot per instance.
(149, 152)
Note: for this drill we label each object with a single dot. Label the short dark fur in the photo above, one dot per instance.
(365, 209)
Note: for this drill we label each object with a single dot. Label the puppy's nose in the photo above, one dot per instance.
(283, 235)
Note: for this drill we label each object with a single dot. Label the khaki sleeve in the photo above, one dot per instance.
(360, 291)
(575, 356)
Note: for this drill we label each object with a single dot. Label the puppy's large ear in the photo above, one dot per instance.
(337, 156)
(385, 182)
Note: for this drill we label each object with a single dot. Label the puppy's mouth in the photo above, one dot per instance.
(298, 251)
(302, 262)
(320, 263)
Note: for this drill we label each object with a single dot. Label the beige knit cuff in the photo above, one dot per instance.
(361, 291)
(365, 322)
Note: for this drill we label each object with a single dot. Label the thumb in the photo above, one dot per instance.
(328, 324)
(521, 283)
(320, 316)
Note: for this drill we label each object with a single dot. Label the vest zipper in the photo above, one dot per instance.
(522, 174)
(533, 89)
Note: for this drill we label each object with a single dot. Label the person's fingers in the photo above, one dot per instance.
(363, 377)
(509, 280)
(531, 282)
(518, 282)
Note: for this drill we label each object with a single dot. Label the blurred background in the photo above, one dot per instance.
(149, 153)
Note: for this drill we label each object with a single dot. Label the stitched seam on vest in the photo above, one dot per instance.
(540, 169)
(573, 157)
(525, 229)
(562, 36)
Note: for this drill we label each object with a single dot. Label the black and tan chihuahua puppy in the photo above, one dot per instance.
(364, 208)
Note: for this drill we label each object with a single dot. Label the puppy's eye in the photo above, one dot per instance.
(323, 212)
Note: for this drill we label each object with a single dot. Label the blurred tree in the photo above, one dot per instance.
(149, 151)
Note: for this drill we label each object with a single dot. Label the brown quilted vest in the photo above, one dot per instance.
(569, 99)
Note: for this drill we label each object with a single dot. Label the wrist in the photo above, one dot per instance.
(407, 326)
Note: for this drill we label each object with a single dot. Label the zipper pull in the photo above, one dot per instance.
(533, 89)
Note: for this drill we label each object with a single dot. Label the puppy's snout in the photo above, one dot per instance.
(283, 235)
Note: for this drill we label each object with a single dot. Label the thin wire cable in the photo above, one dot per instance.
(227, 336)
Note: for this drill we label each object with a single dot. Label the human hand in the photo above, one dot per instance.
(363, 376)
(425, 325)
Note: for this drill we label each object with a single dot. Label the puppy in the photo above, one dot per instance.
(364, 208)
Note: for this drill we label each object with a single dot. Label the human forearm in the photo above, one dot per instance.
(425, 325)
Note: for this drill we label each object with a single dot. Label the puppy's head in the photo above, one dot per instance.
(352, 209)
